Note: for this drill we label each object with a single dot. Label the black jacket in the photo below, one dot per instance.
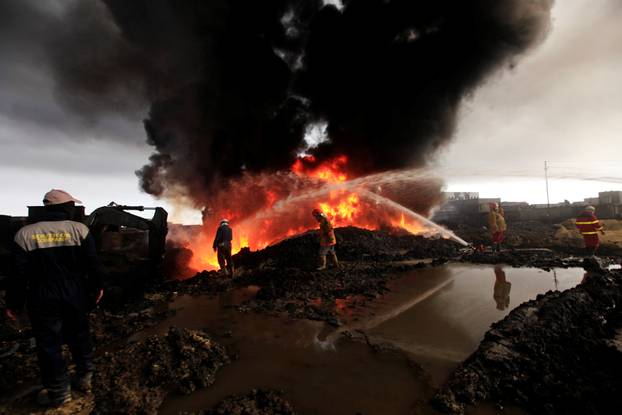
(53, 256)
(224, 236)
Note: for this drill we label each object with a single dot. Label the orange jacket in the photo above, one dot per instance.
(327, 234)
(588, 223)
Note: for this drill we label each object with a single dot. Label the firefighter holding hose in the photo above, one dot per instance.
(589, 226)
(327, 240)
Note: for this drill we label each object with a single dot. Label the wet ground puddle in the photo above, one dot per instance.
(435, 317)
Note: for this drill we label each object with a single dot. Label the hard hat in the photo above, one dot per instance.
(590, 208)
(316, 212)
(224, 220)
(57, 196)
(492, 205)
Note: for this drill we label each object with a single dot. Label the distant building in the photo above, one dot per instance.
(614, 198)
(461, 195)
(609, 205)
(467, 207)
(593, 201)
(464, 207)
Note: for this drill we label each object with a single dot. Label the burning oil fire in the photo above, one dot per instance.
(272, 209)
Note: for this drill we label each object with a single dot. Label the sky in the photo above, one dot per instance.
(561, 103)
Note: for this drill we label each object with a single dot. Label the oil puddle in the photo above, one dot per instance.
(435, 317)
(440, 315)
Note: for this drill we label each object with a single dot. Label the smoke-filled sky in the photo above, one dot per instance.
(561, 102)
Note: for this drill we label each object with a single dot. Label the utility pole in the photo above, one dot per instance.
(546, 179)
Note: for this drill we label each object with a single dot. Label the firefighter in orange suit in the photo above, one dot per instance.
(589, 226)
(497, 226)
(327, 240)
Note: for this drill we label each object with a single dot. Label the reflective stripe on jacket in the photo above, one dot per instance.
(51, 256)
(588, 223)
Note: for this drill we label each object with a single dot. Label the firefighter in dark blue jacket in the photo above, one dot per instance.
(59, 280)
(222, 245)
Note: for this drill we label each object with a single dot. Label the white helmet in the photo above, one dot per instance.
(223, 221)
(590, 208)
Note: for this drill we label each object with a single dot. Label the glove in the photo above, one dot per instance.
(100, 294)
(10, 315)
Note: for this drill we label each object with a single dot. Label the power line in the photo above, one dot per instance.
(546, 179)
(585, 161)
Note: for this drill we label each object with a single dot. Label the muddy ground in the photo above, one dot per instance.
(135, 378)
(138, 377)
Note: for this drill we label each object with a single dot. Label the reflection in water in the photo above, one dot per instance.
(501, 291)
(446, 327)
(403, 295)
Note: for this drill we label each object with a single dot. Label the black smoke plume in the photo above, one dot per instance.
(386, 76)
(233, 84)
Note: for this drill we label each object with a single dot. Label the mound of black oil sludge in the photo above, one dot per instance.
(137, 378)
(353, 244)
(558, 354)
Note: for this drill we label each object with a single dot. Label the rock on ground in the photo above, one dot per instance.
(557, 354)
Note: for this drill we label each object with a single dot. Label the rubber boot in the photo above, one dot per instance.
(322, 263)
(54, 398)
(83, 383)
(334, 260)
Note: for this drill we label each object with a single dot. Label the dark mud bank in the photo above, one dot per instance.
(137, 378)
(557, 354)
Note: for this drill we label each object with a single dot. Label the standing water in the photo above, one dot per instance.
(435, 317)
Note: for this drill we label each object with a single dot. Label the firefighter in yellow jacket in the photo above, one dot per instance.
(327, 240)
(497, 226)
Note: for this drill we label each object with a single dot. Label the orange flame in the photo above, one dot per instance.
(332, 171)
(343, 207)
